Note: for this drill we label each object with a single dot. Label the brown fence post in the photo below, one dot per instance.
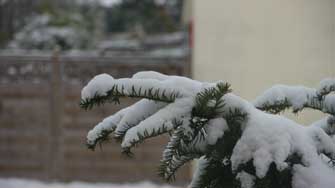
(55, 151)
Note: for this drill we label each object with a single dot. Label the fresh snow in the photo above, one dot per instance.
(163, 117)
(146, 115)
(108, 124)
(329, 103)
(136, 113)
(317, 175)
(271, 138)
(150, 75)
(215, 130)
(266, 138)
(247, 180)
(297, 96)
(327, 124)
(102, 83)
(327, 85)
(28, 183)
(201, 164)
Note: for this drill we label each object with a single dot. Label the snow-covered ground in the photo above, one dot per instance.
(26, 183)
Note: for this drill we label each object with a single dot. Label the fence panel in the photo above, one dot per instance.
(43, 130)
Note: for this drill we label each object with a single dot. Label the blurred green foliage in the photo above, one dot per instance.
(90, 20)
(153, 17)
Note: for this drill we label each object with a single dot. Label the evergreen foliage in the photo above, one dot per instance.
(153, 17)
(208, 102)
(59, 24)
(114, 94)
(104, 136)
(192, 137)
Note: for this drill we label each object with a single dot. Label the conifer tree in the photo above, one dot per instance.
(239, 144)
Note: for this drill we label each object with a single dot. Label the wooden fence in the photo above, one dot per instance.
(43, 130)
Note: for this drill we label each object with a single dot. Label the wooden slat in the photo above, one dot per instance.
(25, 116)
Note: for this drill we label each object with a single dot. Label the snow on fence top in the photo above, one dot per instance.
(239, 145)
(80, 67)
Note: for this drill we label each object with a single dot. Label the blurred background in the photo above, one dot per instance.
(50, 49)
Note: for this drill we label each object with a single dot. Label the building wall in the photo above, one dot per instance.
(255, 44)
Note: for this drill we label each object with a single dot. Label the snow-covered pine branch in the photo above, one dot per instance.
(101, 131)
(104, 88)
(326, 86)
(327, 124)
(238, 144)
(280, 97)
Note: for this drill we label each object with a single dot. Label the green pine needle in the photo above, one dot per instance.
(114, 95)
